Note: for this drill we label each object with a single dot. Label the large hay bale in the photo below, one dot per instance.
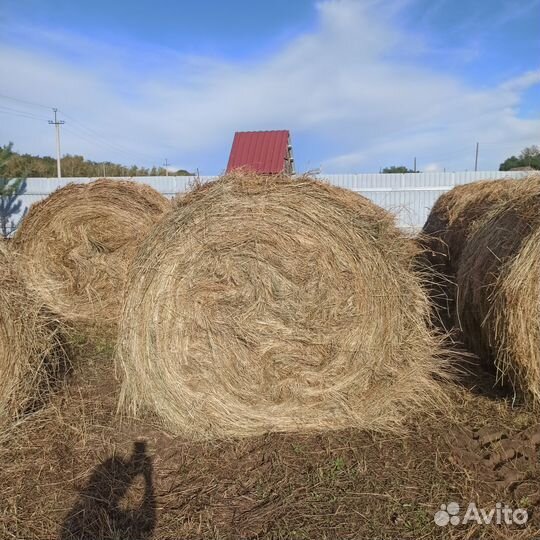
(498, 284)
(270, 304)
(32, 356)
(444, 235)
(78, 242)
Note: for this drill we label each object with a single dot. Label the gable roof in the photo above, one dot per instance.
(264, 152)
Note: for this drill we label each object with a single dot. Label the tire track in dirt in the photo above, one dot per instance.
(503, 461)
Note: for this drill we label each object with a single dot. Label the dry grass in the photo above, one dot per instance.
(32, 355)
(77, 243)
(499, 290)
(269, 304)
(445, 233)
(481, 247)
(72, 474)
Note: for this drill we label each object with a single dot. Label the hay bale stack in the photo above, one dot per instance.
(32, 356)
(444, 235)
(77, 244)
(269, 304)
(499, 290)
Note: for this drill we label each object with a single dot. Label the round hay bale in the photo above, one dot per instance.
(498, 281)
(451, 220)
(32, 355)
(270, 304)
(78, 242)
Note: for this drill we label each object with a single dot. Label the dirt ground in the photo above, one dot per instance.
(75, 471)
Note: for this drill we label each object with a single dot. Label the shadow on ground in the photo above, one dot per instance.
(103, 509)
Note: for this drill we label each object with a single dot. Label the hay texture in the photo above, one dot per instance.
(444, 235)
(270, 304)
(78, 242)
(32, 356)
(498, 281)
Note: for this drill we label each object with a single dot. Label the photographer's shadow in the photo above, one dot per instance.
(98, 512)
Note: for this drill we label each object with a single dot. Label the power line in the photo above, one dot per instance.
(26, 102)
(89, 131)
(17, 112)
(93, 141)
(21, 115)
(93, 133)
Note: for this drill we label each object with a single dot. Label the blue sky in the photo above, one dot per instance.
(361, 84)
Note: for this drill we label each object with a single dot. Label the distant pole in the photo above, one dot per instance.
(414, 164)
(57, 124)
(104, 174)
(476, 158)
(166, 164)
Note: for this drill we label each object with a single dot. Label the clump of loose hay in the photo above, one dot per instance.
(444, 235)
(32, 356)
(270, 304)
(78, 242)
(498, 284)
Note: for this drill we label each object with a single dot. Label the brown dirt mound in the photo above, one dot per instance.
(78, 242)
(499, 291)
(32, 356)
(444, 235)
(269, 304)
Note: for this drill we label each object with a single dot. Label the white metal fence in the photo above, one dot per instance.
(409, 196)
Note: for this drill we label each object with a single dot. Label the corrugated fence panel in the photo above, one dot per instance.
(409, 196)
(411, 180)
(411, 208)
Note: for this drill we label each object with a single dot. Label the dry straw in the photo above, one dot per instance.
(269, 304)
(450, 222)
(32, 357)
(77, 244)
(499, 289)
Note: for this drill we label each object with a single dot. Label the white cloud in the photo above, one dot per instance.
(432, 167)
(354, 87)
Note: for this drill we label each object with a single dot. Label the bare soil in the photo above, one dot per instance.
(74, 471)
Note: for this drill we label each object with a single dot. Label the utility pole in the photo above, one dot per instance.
(414, 164)
(57, 124)
(476, 158)
(166, 164)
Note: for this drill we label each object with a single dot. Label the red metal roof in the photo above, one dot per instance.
(264, 152)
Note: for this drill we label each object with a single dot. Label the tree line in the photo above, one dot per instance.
(529, 157)
(26, 165)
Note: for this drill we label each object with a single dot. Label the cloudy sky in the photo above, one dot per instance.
(361, 84)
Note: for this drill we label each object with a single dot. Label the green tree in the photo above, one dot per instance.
(10, 189)
(27, 165)
(529, 157)
(396, 169)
